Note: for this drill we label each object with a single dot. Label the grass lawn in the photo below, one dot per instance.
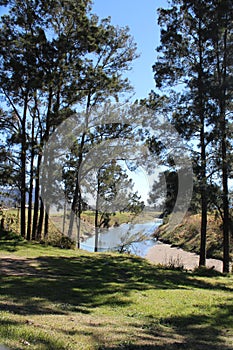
(63, 299)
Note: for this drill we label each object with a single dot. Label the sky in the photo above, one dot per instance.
(141, 17)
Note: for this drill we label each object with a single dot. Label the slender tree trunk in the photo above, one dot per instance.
(77, 193)
(96, 218)
(29, 223)
(46, 223)
(222, 75)
(79, 220)
(73, 209)
(201, 108)
(37, 198)
(23, 192)
(23, 170)
(78, 224)
(41, 220)
(225, 175)
(226, 235)
(202, 258)
(64, 218)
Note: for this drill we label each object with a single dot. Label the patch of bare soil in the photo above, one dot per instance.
(17, 266)
(165, 254)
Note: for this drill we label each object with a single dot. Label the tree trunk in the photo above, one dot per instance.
(23, 170)
(41, 220)
(97, 215)
(226, 236)
(23, 193)
(29, 223)
(64, 218)
(222, 72)
(46, 223)
(201, 112)
(37, 198)
(77, 193)
(202, 257)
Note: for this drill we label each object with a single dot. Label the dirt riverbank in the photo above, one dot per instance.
(165, 254)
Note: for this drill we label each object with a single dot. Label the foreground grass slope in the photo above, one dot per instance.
(69, 300)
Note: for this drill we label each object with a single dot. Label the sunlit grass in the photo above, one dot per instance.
(64, 299)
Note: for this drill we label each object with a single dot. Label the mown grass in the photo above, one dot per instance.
(70, 300)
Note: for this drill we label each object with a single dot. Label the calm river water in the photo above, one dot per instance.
(115, 237)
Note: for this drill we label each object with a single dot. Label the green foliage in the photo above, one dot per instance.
(54, 56)
(61, 241)
(9, 219)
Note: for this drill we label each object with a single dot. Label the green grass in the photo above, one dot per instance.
(70, 300)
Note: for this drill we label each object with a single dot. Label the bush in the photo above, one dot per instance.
(57, 239)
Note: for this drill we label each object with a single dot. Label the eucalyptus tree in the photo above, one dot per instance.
(221, 64)
(196, 52)
(183, 64)
(54, 56)
(103, 79)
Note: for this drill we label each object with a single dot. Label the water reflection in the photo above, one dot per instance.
(116, 237)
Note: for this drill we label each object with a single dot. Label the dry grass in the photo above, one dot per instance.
(187, 235)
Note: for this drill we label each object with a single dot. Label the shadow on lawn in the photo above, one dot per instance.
(194, 332)
(84, 282)
(58, 285)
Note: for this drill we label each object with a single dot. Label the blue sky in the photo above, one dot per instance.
(141, 17)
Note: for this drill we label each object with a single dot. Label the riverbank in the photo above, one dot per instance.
(186, 235)
(166, 254)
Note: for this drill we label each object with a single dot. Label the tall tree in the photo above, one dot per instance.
(186, 46)
(197, 42)
(54, 55)
(221, 33)
(103, 79)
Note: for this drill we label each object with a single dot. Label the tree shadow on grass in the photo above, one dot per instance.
(192, 332)
(60, 285)
(85, 282)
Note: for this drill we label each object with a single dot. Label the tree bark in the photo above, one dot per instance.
(23, 169)
(201, 110)
(37, 198)
(96, 218)
(41, 220)
(29, 223)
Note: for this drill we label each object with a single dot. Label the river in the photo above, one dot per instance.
(114, 238)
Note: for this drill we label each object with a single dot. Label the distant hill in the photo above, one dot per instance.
(9, 197)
